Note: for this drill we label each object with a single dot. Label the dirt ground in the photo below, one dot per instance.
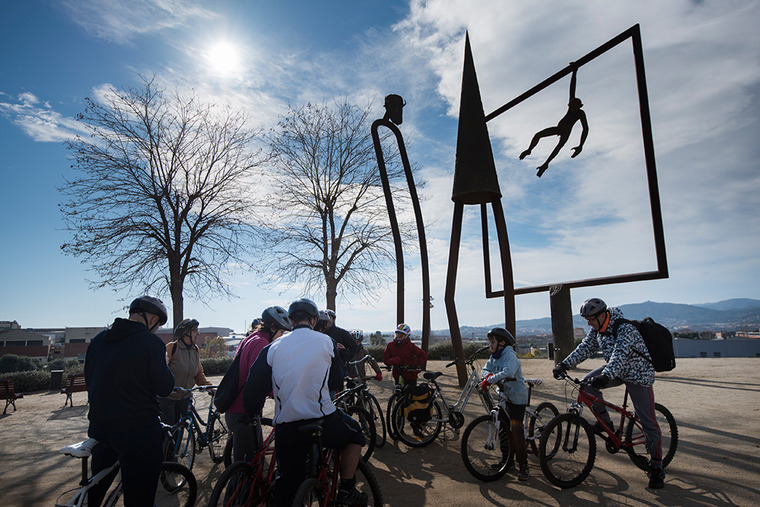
(716, 403)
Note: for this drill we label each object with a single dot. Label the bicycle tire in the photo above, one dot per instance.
(377, 413)
(366, 482)
(417, 435)
(227, 457)
(669, 431)
(574, 458)
(545, 412)
(392, 402)
(177, 486)
(309, 493)
(218, 435)
(368, 429)
(237, 486)
(184, 454)
(485, 459)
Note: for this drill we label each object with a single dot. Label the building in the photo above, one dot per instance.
(716, 348)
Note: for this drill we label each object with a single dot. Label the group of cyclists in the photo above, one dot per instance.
(299, 357)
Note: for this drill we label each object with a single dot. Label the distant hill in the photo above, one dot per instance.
(729, 315)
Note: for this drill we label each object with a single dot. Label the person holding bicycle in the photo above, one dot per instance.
(273, 324)
(404, 356)
(360, 370)
(300, 369)
(504, 364)
(627, 363)
(184, 359)
(125, 370)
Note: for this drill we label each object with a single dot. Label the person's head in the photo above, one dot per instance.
(303, 311)
(575, 103)
(255, 324)
(331, 319)
(322, 322)
(358, 335)
(394, 106)
(595, 312)
(402, 332)
(275, 320)
(499, 338)
(148, 310)
(187, 331)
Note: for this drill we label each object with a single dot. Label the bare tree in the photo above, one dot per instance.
(331, 224)
(160, 196)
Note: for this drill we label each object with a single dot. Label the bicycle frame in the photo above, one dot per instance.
(86, 483)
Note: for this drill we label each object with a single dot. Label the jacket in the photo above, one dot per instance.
(408, 354)
(507, 365)
(185, 363)
(249, 350)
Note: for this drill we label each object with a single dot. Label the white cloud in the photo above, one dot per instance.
(39, 120)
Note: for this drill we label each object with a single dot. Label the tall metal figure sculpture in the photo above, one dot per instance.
(394, 105)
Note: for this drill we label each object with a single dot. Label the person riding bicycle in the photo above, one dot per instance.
(627, 363)
(184, 359)
(504, 364)
(404, 356)
(274, 322)
(125, 370)
(300, 369)
(360, 370)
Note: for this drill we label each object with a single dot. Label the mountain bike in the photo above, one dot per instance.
(358, 393)
(192, 433)
(323, 474)
(567, 448)
(486, 446)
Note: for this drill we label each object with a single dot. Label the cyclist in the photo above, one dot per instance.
(300, 369)
(125, 369)
(273, 324)
(401, 352)
(184, 359)
(341, 336)
(624, 366)
(360, 370)
(502, 364)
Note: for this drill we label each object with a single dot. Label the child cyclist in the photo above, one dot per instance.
(504, 364)
(401, 352)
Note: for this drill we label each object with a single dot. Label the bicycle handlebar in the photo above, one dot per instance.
(359, 360)
(178, 389)
(469, 360)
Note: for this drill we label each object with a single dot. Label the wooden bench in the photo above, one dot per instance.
(74, 384)
(6, 390)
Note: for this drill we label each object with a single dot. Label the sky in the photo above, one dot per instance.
(587, 216)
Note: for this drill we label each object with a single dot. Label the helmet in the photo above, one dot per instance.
(185, 327)
(330, 313)
(303, 305)
(276, 316)
(502, 335)
(404, 329)
(148, 304)
(358, 335)
(323, 317)
(592, 307)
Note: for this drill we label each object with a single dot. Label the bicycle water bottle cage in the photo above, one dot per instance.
(80, 450)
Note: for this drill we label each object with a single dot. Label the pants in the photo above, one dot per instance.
(172, 410)
(245, 438)
(643, 405)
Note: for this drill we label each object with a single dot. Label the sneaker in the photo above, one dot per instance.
(656, 477)
(352, 497)
(523, 474)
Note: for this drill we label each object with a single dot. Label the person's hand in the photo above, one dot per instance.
(559, 371)
(576, 151)
(394, 361)
(379, 376)
(485, 383)
(600, 381)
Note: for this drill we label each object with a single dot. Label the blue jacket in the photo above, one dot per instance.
(507, 366)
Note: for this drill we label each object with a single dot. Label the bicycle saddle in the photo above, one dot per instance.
(431, 375)
(311, 427)
(79, 450)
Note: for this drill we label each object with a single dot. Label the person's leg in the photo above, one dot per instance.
(245, 439)
(643, 404)
(290, 448)
(140, 457)
(516, 417)
(593, 391)
(103, 456)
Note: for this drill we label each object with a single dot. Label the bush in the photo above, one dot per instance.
(216, 365)
(445, 350)
(12, 362)
(376, 351)
(28, 381)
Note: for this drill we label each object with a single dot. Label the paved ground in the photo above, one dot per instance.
(715, 401)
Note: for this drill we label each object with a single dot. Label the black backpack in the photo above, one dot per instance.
(658, 340)
(227, 390)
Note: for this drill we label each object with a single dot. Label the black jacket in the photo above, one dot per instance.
(343, 337)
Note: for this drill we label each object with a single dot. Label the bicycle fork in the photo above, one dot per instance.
(493, 431)
(574, 426)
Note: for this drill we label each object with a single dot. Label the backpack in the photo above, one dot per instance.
(419, 404)
(658, 340)
(227, 390)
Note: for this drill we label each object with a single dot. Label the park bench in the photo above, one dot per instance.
(74, 384)
(6, 390)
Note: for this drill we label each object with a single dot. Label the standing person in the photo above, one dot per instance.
(504, 364)
(300, 368)
(184, 359)
(125, 370)
(629, 363)
(360, 370)
(273, 323)
(342, 337)
(401, 352)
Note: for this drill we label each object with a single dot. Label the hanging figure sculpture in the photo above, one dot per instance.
(562, 129)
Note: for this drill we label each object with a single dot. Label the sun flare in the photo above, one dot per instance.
(223, 58)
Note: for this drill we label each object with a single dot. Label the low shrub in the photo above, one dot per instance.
(216, 365)
(28, 381)
(12, 362)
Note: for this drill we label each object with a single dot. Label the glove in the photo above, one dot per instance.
(600, 381)
(394, 361)
(485, 383)
(559, 371)
(379, 376)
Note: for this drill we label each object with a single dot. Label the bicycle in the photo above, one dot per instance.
(488, 457)
(176, 485)
(323, 475)
(368, 401)
(571, 443)
(249, 483)
(188, 437)
(362, 416)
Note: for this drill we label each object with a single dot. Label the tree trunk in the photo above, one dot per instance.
(178, 302)
(331, 295)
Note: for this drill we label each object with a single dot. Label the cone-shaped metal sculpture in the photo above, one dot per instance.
(475, 180)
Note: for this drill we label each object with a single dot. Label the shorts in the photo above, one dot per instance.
(516, 412)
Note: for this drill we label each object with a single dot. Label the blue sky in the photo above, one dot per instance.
(586, 217)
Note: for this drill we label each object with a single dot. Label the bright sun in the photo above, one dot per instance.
(223, 58)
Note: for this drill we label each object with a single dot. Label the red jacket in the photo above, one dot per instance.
(408, 354)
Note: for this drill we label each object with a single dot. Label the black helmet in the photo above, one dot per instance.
(185, 327)
(592, 307)
(502, 335)
(148, 304)
(303, 305)
(276, 316)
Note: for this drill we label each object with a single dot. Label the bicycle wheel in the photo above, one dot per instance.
(176, 486)
(368, 428)
(635, 436)
(486, 455)
(310, 492)
(366, 482)
(544, 413)
(218, 437)
(237, 486)
(373, 407)
(417, 434)
(181, 448)
(575, 454)
(392, 402)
